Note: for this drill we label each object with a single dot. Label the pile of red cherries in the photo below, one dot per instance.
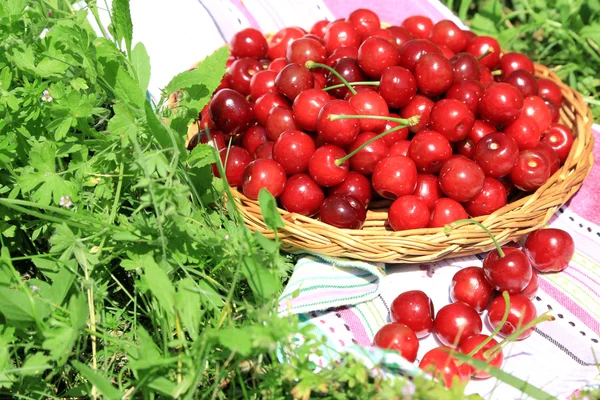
(429, 116)
(473, 290)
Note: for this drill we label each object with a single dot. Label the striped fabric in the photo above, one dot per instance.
(347, 301)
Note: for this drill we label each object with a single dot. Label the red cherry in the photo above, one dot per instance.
(359, 89)
(237, 159)
(428, 189)
(365, 160)
(248, 42)
(320, 79)
(446, 52)
(461, 179)
(217, 139)
(277, 64)
(465, 148)
(469, 286)
(340, 34)
(408, 212)
(292, 150)
(306, 108)
(531, 171)
(534, 107)
(280, 120)
(532, 287)
(399, 337)
(319, 28)
(456, 322)
(241, 72)
(322, 167)
(306, 49)
(440, 363)
(394, 177)
(349, 69)
(500, 104)
(418, 25)
(560, 138)
(470, 35)
(521, 312)
(340, 132)
(281, 40)
(412, 51)
(446, 33)
(511, 62)
(261, 83)
(415, 310)
(230, 111)
(397, 86)
(469, 344)
(302, 195)
(486, 76)
(550, 249)
(370, 103)
(265, 150)
(468, 91)
(355, 185)
(266, 103)
(548, 152)
(364, 21)
(548, 90)
(525, 131)
(206, 122)
(254, 137)
(496, 154)
(465, 66)
(263, 173)
(293, 79)
(481, 45)
(434, 74)
(524, 81)
(445, 211)
(492, 197)
(419, 105)
(511, 272)
(480, 129)
(376, 54)
(401, 34)
(343, 211)
(342, 52)
(452, 118)
(429, 150)
(554, 112)
(392, 138)
(400, 148)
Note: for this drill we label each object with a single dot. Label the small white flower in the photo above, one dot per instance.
(34, 288)
(46, 96)
(408, 389)
(43, 33)
(66, 202)
(226, 237)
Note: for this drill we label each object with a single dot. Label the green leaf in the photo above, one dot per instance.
(141, 64)
(160, 285)
(483, 26)
(592, 32)
(17, 307)
(50, 67)
(189, 306)
(239, 340)
(125, 87)
(103, 384)
(201, 156)
(263, 281)
(269, 245)
(63, 128)
(123, 122)
(35, 364)
(15, 7)
(61, 284)
(41, 157)
(122, 21)
(162, 134)
(268, 209)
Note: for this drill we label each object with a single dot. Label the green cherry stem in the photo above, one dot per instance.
(406, 122)
(489, 51)
(361, 83)
(497, 72)
(312, 64)
(449, 228)
(412, 121)
(497, 330)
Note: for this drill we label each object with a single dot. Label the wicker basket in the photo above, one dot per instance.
(378, 243)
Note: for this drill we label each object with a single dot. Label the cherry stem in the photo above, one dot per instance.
(449, 228)
(497, 72)
(311, 64)
(408, 122)
(497, 330)
(363, 83)
(489, 51)
(412, 121)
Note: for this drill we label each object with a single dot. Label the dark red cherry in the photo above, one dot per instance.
(263, 173)
(349, 69)
(339, 132)
(277, 64)
(525, 131)
(486, 76)
(340, 34)
(393, 137)
(241, 72)
(428, 189)
(496, 154)
(302, 195)
(248, 42)
(365, 160)
(452, 118)
(322, 167)
(412, 51)
(370, 103)
(355, 185)
(554, 112)
(234, 161)
(397, 86)
(511, 62)
(547, 151)
(415, 310)
(217, 139)
(293, 79)
(456, 322)
(292, 150)
(492, 197)
(534, 107)
(319, 28)
(267, 103)
(480, 129)
(418, 25)
(253, 137)
(264, 150)
(471, 343)
(342, 52)
(500, 104)
(465, 66)
(521, 312)
(446, 52)
(511, 272)
(429, 150)
(230, 111)
(394, 177)
(465, 147)
(531, 171)
(364, 21)
(399, 337)
(261, 83)
(550, 249)
(445, 211)
(306, 108)
(468, 91)
(401, 34)
(461, 179)
(419, 105)
(482, 45)
(408, 212)
(434, 74)
(279, 43)
(320, 79)
(280, 120)
(560, 138)
(375, 54)
(306, 49)
(400, 148)
(343, 211)
(548, 90)
(524, 81)
(446, 33)
(469, 286)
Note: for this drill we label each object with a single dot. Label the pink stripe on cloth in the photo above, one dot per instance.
(356, 326)
(570, 305)
(240, 6)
